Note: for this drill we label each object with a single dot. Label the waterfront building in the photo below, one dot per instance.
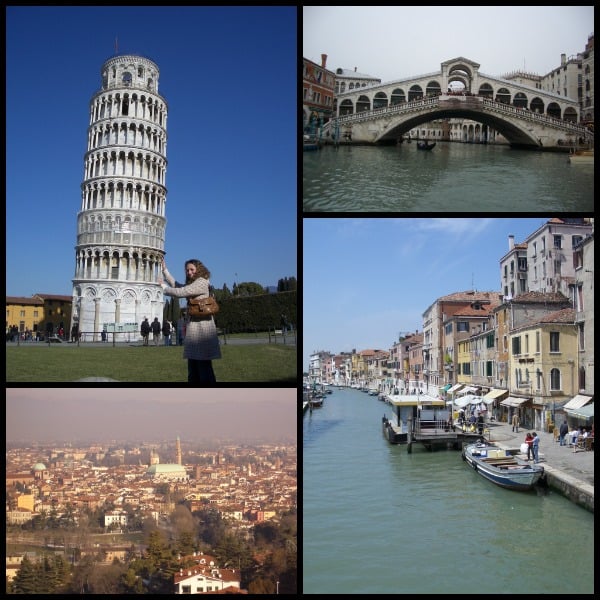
(350, 79)
(544, 261)
(584, 312)
(543, 367)
(318, 84)
(121, 224)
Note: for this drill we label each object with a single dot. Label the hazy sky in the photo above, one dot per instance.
(228, 75)
(150, 414)
(402, 41)
(367, 280)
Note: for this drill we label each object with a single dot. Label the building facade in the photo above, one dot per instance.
(121, 224)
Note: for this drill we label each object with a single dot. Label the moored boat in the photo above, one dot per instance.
(500, 467)
(582, 157)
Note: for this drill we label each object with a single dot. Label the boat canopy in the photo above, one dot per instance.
(414, 400)
(455, 388)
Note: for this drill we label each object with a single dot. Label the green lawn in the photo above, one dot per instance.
(271, 363)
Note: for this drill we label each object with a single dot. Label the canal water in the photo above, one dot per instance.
(451, 177)
(378, 520)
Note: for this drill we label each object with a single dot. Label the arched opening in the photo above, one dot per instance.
(520, 100)
(380, 100)
(398, 96)
(415, 93)
(503, 96)
(486, 90)
(362, 104)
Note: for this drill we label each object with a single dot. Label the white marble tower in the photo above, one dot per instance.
(121, 224)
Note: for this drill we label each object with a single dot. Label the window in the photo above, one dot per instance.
(538, 379)
(575, 240)
(522, 264)
(537, 341)
(516, 345)
(558, 241)
(448, 328)
(554, 341)
(526, 343)
(582, 378)
(489, 369)
(555, 380)
(489, 338)
(581, 331)
(462, 326)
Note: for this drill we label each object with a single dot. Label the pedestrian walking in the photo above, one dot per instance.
(536, 447)
(515, 422)
(145, 330)
(156, 330)
(201, 343)
(564, 430)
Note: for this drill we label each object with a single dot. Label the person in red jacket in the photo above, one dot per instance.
(529, 442)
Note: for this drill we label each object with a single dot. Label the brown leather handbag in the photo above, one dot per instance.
(202, 307)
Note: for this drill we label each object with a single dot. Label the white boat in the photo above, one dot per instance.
(500, 467)
(582, 157)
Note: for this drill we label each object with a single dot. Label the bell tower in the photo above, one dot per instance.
(121, 222)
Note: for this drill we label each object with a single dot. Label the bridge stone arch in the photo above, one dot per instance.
(516, 133)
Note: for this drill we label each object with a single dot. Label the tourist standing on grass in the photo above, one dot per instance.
(166, 330)
(145, 330)
(156, 330)
(201, 343)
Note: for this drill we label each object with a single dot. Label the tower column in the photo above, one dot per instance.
(96, 317)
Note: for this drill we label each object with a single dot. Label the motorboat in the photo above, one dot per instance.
(500, 467)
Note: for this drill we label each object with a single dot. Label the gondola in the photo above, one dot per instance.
(425, 145)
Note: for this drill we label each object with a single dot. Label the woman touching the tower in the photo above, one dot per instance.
(201, 344)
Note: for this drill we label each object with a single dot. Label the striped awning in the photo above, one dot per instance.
(495, 393)
(511, 401)
(577, 401)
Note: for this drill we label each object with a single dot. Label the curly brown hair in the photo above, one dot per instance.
(201, 270)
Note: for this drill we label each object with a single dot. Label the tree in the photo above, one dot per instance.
(25, 581)
(248, 288)
(287, 284)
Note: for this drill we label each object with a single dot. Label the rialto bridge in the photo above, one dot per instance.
(526, 116)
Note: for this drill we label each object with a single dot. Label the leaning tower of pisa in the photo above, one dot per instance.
(121, 224)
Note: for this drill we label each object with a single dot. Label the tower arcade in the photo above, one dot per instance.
(121, 223)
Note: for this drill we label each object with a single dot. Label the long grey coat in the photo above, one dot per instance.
(201, 341)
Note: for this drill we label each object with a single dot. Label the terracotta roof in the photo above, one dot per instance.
(546, 297)
(54, 297)
(470, 311)
(564, 316)
(472, 296)
(20, 300)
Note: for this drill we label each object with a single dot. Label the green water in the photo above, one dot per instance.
(379, 520)
(451, 177)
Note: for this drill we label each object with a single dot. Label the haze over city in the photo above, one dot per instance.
(238, 415)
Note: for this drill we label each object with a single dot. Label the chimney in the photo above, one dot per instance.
(511, 242)
(323, 60)
(563, 59)
(355, 69)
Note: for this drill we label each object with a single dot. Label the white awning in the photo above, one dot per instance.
(413, 400)
(510, 401)
(495, 393)
(468, 390)
(455, 388)
(578, 401)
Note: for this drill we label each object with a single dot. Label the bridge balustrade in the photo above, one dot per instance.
(417, 105)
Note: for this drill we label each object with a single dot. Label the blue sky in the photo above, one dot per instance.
(228, 75)
(367, 280)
